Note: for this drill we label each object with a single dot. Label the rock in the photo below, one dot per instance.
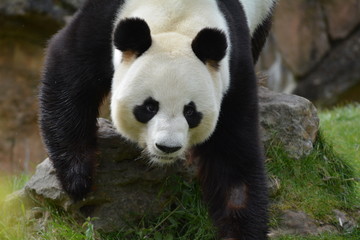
(74, 3)
(300, 34)
(279, 77)
(336, 74)
(299, 223)
(54, 9)
(342, 18)
(327, 228)
(125, 187)
(14, 7)
(45, 185)
(313, 50)
(289, 120)
(346, 222)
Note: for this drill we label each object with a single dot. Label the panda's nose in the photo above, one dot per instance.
(167, 149)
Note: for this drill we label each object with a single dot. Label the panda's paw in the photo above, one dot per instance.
(78, 186)
(76, 179)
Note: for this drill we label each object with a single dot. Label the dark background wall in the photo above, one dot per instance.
(314, 50)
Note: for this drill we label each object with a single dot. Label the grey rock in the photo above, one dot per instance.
(125, 187)
(327, 228)
(44, 185)
(288, 120)
(299, 223)
(346, 222)
(57, 10)
(13, 7)
(74, 3)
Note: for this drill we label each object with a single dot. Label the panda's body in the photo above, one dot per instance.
(182, 79)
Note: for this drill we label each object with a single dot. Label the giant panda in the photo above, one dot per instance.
(182, 83)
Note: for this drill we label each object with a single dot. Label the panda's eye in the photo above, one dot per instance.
(145, 112)
(188, 111)
(192, 116)
(152, 107)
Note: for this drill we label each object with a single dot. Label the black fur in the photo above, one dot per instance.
(132, 34)
(192, 116)
(78, 74)
(145, 112)
(210, 45)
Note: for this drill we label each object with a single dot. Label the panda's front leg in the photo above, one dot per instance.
(237, 201)
(232, 174)
(69, 102)
(68, 126)
(77, 76)
(244, 216)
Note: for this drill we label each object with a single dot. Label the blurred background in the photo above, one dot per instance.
(313, 51)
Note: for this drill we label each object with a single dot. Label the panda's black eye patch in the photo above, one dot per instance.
(145, 112)
(192, 116)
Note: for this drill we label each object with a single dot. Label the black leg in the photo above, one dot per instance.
(77, 76)
(233, 182)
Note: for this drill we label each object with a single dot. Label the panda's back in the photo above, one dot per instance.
(186, 17)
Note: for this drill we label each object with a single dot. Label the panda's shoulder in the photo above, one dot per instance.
(256, 11)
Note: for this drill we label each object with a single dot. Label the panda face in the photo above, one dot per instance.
(166, 99)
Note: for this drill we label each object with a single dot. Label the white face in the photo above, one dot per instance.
(166, 100)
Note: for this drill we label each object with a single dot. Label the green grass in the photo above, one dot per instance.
(61, 227)
(325, 180)
(16, 224)
(341, 126)
(185, 217)
(316, 184)
(13, 224)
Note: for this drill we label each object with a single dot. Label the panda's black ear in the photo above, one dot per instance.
(132, 35)
(210, 46)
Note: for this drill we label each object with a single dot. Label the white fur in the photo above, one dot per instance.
(174, 77)
(170, 73)
(178, 16)
(256, 11)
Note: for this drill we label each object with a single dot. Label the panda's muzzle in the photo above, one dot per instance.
(167, 149)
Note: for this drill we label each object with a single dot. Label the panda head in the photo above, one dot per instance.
(167, 89)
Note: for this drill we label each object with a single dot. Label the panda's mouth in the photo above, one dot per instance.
(163, 158)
